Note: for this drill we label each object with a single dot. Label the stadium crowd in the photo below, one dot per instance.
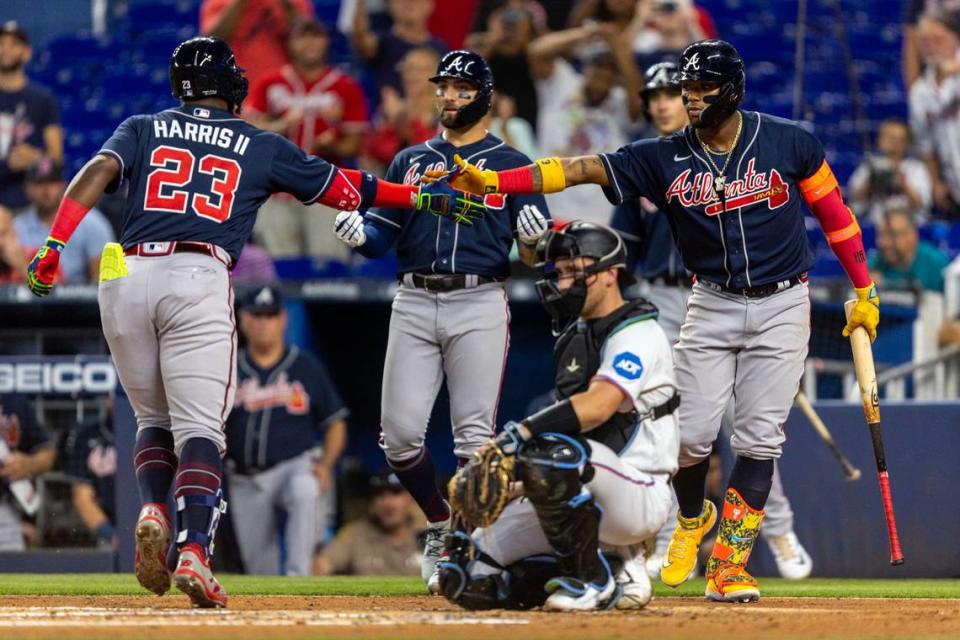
(567, 74)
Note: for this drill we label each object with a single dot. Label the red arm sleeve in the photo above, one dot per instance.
(68, 218)
(822, 194)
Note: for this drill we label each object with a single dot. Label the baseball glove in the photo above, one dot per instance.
(479, 491)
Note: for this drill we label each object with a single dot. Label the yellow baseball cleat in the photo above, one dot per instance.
(681, 556)
(730, 582)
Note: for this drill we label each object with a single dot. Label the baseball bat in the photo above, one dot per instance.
(851, 473)
(869, 396)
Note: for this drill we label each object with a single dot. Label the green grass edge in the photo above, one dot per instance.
(125, 585)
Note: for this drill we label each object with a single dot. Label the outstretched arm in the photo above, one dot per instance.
(547, 175)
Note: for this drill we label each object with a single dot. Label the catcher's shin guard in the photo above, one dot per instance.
(553, 468)
(457, 585)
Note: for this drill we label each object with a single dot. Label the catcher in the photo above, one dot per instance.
(595, 467)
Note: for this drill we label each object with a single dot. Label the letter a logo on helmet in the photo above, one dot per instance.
(693, 63)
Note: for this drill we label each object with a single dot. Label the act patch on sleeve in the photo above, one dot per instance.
(628, 365)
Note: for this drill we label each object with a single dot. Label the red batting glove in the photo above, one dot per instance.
(43, 267)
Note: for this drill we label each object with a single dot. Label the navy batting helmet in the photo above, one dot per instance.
(469, 66)
(715, 61)
(662, 75)
(205, 67)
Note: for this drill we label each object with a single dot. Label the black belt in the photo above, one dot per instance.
(667, 407)
(447, 281)
(761, 291)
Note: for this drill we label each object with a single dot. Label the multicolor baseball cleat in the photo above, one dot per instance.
(727, 577)
(681, 557)
(194, 577)
(154, 536)
(730, 582)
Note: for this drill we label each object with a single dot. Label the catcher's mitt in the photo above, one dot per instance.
(479, 490)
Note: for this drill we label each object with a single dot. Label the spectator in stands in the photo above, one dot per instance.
(889, 179)
(324, 111)
(934, 115)
(254, 266)
(584, 113)
(14, 257)
(284, 405)
(670, 27)
(26, 452)
(509, 31)
(516, 132)
(912, 65)
(91, 466)
(406, 117)
(903, 261)
(29, 122)
(256, 30)
(639, 16)
(382, 544)
(80, 262)
(382, 51)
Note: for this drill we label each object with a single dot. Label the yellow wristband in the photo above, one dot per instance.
(551, 175)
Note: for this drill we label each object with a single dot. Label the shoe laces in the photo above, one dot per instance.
(784, 548)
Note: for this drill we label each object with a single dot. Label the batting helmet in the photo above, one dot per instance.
(579, 239)
(662, 75)
(205, 67)
(469, 66)
(715, 61)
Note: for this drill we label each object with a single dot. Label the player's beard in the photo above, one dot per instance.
(448, 118)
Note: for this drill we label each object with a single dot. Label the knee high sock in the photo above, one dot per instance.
(752, 479)
(689, 485)
(199, 474)
(154, 464)
(419, 477)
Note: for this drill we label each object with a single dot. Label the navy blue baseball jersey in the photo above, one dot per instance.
(431, 244)
(760, 237)
(651, 251)
(201, 174)
(19, 427)
(280, 412)
(91, 458)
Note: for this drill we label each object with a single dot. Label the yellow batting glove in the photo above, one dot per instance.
(468, 177)
(865, 313)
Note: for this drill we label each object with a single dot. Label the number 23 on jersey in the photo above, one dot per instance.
(173, 168)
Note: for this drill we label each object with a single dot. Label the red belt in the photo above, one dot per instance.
(157, 249)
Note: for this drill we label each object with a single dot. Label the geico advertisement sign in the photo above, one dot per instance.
(57, 377)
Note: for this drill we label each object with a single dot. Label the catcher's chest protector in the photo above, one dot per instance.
(576, 358)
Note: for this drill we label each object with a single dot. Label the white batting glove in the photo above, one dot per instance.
(348, 225)
(530, 224)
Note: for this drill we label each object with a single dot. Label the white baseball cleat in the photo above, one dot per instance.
(153, 539)
(573, 594)
(793, 561)
(634, 581)
(433, 550)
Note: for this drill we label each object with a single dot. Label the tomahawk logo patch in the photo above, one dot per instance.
(628, 365)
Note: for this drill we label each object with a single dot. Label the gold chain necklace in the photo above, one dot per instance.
(719, 179)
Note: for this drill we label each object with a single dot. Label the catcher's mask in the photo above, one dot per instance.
(577, 240)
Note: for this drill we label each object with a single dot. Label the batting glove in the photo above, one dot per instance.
(471, 178)
(865, 313)
(531, 224)
(43, 267)
(348, 225)
(440, 199)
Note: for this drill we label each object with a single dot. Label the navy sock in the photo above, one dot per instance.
(690, 486)
(199, 474)
(752, 480)
(420, 478)
(154, 464)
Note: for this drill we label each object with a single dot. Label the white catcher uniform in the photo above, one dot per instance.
(631, 486)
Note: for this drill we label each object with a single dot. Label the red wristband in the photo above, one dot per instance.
(519, 180)
(68, 218)
(843, 234)
(375, 192)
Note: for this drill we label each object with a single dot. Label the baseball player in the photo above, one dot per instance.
(285, 404)
(450, 316)
(646, 234)
(596, 465)
(197, 176)
(731, 184)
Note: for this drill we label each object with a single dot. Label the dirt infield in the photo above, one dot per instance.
(71, 617)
